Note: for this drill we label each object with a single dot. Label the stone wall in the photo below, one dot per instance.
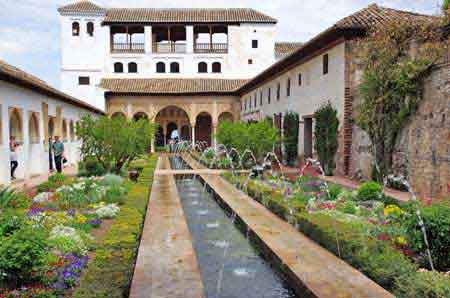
(423, 147)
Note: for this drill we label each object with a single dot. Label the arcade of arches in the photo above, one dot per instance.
(195, 118)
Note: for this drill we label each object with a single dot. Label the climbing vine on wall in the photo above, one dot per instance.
(291, 120)
(326, 136)
(396, 57)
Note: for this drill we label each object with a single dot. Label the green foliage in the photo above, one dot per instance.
(445, 5)
(110, 273)
(90, 167)
(11, 221)
(326, 133)
(437, 222)
(291, 121)
(7, 196)
(22, 255)
(54, 181)
(334, 191)
(112, 180)
(114, 142)
(423, 285)
(391, 85)
(348, 207)
(369, 191)
(258, 137)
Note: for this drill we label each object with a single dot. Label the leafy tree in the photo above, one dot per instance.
(114, 142)
(291, 120)
(259, 137)
(326, 133)
(445, 5)
(391, 85)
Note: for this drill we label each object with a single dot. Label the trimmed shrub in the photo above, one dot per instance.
(110, 273)
(90, 167)
(437, 222)
(369, 191)
(54, 181)
(423, 285)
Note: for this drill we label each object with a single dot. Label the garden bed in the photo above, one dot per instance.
(366, 229)
(77, 237)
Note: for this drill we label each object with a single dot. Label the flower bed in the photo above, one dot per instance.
(46, 241)
(364, 228)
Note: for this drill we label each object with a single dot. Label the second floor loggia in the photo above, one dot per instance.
(166, 39)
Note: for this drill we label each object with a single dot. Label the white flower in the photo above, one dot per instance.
(43, 197)
(107, 211)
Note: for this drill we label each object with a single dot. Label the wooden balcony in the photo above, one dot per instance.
(216, 48)
(128, 48)
(165, 48)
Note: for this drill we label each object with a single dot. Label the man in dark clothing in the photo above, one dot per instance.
(58, 152)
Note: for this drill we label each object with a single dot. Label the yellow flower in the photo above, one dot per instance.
(392, 210)
(79, 218)
(401, 241)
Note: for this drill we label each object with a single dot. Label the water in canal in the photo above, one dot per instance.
(229, 265)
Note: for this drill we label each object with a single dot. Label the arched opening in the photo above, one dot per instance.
(51, 127)
(202, 67)
(185, 133)
(226, 116)
(132, 67)
(15, 125)
(159, 138)
(118, 67)
(140, 115)
(75, 29)
(216, 67)
(165, 117)
(203, 128)
(72, 131)
(174, 67)
(160, 67)
(90, 28)
(118, 114)
(64, 131)
(33, 128)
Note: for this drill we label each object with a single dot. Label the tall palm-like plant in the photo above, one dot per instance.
(6, 196)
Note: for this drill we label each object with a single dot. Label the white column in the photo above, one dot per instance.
(4, 146)
(148, 39)
(189, 39)
(283, 152)
(193, 135)
(26, 145)
(301, 138)
(214, 138)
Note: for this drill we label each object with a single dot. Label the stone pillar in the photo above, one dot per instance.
(26, 144)
(214, 134)
(301, 141)
(4, 153)
(148, 39)
(283, 148)
(190, 39)
(165, 134)
(193, 134)
(152, 143)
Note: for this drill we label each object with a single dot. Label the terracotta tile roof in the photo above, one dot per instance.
(284, 48)
(374, 15)
(172, 86)
(186, 15)
(81, 7)
(354, 25)
(17, 76)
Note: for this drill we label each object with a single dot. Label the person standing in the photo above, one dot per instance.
(173, 140)
(58, 153)
(50, 154)
(13, 156)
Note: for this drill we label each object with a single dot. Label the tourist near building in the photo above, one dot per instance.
(32, 112)
(188, 69)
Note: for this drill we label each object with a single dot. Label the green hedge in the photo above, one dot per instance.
(375, 258)
(109, 274)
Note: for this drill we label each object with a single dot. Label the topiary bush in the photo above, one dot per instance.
(369, 191)
(290, 125)
(90, 167)
(437, 223)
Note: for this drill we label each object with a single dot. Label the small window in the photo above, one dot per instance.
(269, 95)
(160, 67)
(278, 91)
(75, 29)
(216, 67)
(174, 67)
(118, 67)
(288, 87)
(132, 67)
(254, 44)
(256, 99)
(90, 29)
(300, 79)
(202, 67)
(250, 61)
(84, 81)
(325, 64)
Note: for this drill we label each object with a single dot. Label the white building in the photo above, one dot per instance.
(99, 43)
(32, 112)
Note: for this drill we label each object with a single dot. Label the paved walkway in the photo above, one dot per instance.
(325, 275)
(166, 266)
(36, 180)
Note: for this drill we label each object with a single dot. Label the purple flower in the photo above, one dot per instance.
(71, 212)
(68, 276)
(95, 222)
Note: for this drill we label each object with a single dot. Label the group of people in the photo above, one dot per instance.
(55, 154)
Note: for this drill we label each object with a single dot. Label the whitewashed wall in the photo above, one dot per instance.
(33, 157)
(316, 90)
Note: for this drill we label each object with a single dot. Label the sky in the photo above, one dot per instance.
(29, 29)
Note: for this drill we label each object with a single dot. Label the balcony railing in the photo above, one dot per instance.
(128, 47)
(221, 48)
(169, 48)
